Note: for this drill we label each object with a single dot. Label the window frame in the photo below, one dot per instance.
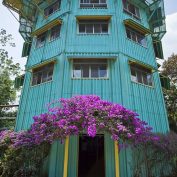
(52, 5)
(126, 10)
(143, 70)
(41, 69)
(137, 33)
(90, 70)
(53, 39)
(91, 5)
(37, 40)
(93, 23)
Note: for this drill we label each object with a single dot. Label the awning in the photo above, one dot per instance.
(134, 61)
(133, 24)
(93, 17)
(46, 27)
(38, 65)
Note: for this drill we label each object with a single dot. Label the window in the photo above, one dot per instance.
(131, 9)
(93, 3)
(55, 32)
(136, 36)
(42, 74)
(40, 40)
(141, 74)
(91, 156)
(93, 26)
(90, 68)
(52, 8)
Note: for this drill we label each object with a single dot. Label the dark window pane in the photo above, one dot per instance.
(39, 77)
(89, 28)
(94, 71)
(34, 80)
(133, 75)
(81, 28)
(94, 1)
(139, 76)
(97, 28)
(144, 75)
(133, 36)
(85, 71)
(103, 71)
(91, 156)
(104, 28)
(128, 33)
(44, 77)
(131, 8)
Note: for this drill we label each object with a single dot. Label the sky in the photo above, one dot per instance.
(8, 22)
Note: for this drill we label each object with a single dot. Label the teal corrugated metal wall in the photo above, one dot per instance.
(146, 101)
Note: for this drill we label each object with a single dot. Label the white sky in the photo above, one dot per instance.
(8, 22)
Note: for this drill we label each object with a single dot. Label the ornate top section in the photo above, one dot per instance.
(27, 10)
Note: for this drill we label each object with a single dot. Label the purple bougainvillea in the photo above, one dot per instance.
(82, 114)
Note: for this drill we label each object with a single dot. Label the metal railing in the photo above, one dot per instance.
(8, 114)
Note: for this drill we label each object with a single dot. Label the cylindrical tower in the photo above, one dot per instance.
(101, 47)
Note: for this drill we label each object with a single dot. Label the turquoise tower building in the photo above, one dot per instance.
(102, 47)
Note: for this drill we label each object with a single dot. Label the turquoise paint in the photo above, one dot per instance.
(146, 101)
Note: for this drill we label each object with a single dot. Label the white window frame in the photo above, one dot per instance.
(89, 4)
(38, 42)
(140, 72)
(126, 5)
(43, 70)
(54, 38)
(58, 2)
(91, 63)
(136, 35)
(93, 22)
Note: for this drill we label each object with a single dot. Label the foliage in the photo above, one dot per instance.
(76, 115)
(7, 69)
(169, 68)
(161, 155)
(171, 105)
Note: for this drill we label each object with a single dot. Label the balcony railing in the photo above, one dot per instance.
(8, 114)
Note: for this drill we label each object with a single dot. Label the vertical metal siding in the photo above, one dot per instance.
(146, 101)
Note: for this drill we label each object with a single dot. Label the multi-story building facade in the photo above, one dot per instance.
(101, 47)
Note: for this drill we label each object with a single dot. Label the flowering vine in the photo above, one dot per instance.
(80, 114)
